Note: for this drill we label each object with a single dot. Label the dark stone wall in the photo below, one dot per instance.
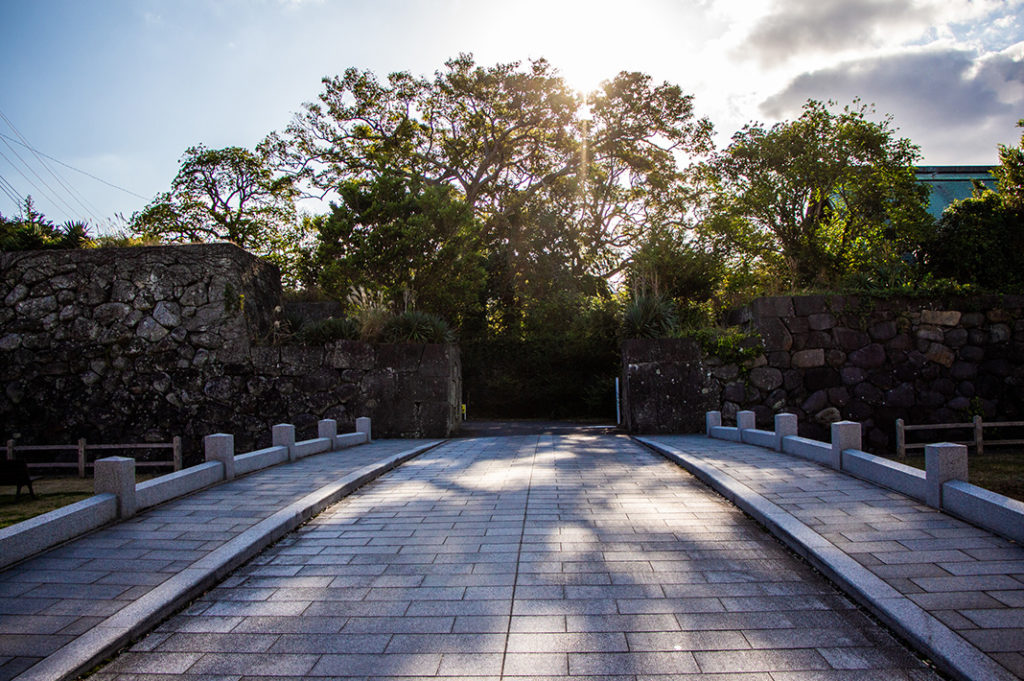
(141, 344)
(664, 386)
(827, 358)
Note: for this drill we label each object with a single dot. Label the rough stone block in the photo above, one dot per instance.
(943, 462)
(116, 475)
(221, 447)
(805, 359)
(940, 317)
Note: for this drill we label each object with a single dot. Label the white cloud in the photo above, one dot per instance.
(953, 99)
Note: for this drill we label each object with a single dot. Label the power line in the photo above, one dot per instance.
(71, 192)
(49, 197)
(77, 170)
(11, 192)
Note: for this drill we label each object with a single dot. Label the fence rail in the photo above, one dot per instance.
(82, 447)
(977, 440)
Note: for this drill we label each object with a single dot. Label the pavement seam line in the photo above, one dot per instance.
(949, 650)
(138, 617)
(519, 553)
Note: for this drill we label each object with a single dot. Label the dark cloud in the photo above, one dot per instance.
(797, 26)
(944, 100)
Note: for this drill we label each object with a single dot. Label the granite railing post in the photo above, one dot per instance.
(713, 419)
(221, 447)
(845, 435)
(116, 475)
(785, 426)
(327, 428)
(745, 420)
(943, 462)
(283, 435)
(363, 426)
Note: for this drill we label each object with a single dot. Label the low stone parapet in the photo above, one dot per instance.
(942, 485)
(118, 496)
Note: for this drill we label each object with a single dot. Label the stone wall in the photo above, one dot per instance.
(827, 358)
(664, 387)
(141, 344)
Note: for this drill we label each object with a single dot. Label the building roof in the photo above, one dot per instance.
(949, 183)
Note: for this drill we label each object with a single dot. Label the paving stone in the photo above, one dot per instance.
(531, 556)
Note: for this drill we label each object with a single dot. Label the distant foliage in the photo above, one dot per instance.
(328, 330)
(33, 231)
(649, 316)
(414, 326)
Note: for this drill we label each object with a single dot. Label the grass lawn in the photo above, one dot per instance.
(51, 492)
(1001, 472)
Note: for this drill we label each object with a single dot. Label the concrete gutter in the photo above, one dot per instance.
(133, 621)
(928, 635)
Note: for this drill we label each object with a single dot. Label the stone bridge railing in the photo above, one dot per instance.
(942, 485)
(118, 496)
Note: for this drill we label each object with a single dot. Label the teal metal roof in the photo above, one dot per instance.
(949, 183)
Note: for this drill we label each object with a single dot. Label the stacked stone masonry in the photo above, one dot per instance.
(828, 358)
(141, 344)
(831, 358)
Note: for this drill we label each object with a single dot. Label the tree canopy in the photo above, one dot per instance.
(227, 194)
(817, 197)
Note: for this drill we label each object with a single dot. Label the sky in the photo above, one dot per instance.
(100, 98)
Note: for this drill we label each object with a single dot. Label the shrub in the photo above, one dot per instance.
(649, 316)
(329, 330)
(414, 326)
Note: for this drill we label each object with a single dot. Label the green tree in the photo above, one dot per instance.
(517, 145)
(227, 194)
(980, 240)
(817, 198)
(1010, 173)
(415, 243)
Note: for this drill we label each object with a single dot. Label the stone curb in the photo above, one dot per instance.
(949, 651)
(136, 619)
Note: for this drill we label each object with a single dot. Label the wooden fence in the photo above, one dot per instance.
(82, 447)
(977, 427)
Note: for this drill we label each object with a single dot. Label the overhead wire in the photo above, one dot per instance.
(71, 192)
(53, 196)
(77, 170)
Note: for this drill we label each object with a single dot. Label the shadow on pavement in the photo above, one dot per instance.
(532, 427)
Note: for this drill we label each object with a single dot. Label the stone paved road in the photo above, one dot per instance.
(536, 556)
(966, 577)
(48, 601)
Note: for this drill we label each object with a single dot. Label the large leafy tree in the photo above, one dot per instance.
(818, 197)
(550, 176)
(980, 240)
(394, 235)
(227, 194)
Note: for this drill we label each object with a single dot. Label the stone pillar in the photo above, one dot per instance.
(845, 435)
(746, 420)
(283, 435)
(327, 428)
(363, 426)
(785, 426)
(943, 462)
(116, 475)
(221, 447)
(712, 419)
